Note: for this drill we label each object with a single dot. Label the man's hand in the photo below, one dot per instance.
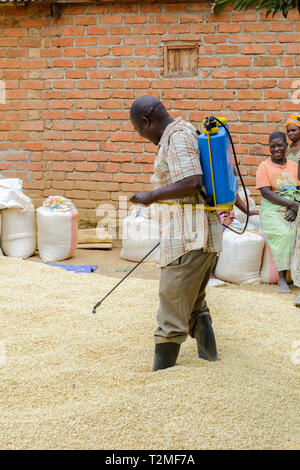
(254, 212)
(144, 197)
(182, 188)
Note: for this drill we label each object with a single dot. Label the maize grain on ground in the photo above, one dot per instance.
(73, 380)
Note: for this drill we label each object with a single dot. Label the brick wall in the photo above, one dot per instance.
(70, 82)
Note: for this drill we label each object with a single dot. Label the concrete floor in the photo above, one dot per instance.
(110, 264)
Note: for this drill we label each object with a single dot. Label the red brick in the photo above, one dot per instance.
(154, 29)
(264, 84)
(289, 38)
(187, 83)
(268, 38)
(241, 105)
(229, 28)
(269, 105)
(273, 72)
(249, 95)
(239, 61)
(122, 178)
(87, 41)
(253, 116)
(254, 27)
(274, 117)
(73, 31)
(210, 62)
(179, 28)
(110, 167)
(86, 20)
(85, 166)
(96, 30)
(98, 51)
(292, 49)
(276, 94)
(122, 51)
(63, 166)
(15, 32)
(289, 106)
(253, 49)
(204, 28)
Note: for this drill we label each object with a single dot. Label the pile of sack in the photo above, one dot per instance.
(245, 258)
(140, 233)
(52, 228)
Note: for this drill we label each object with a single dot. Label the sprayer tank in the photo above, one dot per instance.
(223, 178)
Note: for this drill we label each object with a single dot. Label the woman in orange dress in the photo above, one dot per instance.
(277, 180)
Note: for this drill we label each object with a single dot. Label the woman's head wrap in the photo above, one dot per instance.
(293, 119)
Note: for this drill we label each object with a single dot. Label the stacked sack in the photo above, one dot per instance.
(18, 230)
(54, 230)
(246, 258)
(1, 254)
(57, 229)
(140, 233)
(240, 259)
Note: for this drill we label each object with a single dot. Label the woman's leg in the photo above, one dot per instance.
(283, 288)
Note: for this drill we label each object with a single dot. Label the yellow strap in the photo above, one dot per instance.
(220, 207)
(211, 170)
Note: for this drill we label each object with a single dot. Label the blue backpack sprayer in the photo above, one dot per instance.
(220, 183)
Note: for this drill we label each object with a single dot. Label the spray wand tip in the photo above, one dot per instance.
(96, 306)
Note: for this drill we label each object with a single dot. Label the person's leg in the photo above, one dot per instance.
(178, 291)
(200, 325)
(283, 287)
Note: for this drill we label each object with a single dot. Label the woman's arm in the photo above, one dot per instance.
(273, 197)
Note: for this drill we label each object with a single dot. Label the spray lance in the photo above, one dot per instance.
(219, 180)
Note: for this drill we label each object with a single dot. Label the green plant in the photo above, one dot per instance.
(271, 6)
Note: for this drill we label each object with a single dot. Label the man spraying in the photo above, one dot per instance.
(188, 256)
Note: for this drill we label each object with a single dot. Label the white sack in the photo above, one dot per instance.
(18, 234)
(11, 195)
(241, 257)
(254, 220)
(139, 235)
(57, 229)
(268, 272)
(1, 254)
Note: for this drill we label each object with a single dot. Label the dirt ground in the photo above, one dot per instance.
(110, 264)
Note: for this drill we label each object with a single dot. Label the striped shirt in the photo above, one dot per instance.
(184, 227)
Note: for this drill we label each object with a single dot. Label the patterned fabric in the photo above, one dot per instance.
(185, 226)
(295, 268)
(280, 233)
(294, 157)
(293, 119)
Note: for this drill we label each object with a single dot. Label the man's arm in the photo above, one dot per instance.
(239, 203)
(178, 190)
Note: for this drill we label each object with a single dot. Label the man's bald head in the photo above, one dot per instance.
(147, 106)
(149, 117)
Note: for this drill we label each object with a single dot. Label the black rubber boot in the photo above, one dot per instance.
(165, 355)
(205, 337)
